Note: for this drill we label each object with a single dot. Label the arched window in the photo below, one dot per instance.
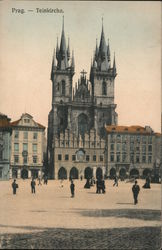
(104, 88)
(63, 87)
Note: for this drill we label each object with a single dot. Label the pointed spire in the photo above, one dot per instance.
(96, 51)
(68, 50)
(63, 42)
(103, 47)
(53, 65)
(108, 51)
(57, 50)
(72, 61)
(114, 65)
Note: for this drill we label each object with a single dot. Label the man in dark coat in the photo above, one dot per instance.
(33, 186)
(72, 188)
(115, 181)
(14, 186)
(135, 190)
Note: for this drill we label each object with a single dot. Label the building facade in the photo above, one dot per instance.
(132, 151)
(82, 108)
(27, 148)
(5, 146)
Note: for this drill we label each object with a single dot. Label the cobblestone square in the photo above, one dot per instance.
(52, 219)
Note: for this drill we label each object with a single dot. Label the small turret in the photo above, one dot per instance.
(72, 61)
(68, 50)
(114, 66)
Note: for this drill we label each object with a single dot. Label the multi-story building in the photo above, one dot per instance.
(5, 146)
(27, 148)
(87, 106)
(132, 151)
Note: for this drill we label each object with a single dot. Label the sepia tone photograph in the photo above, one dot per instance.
(80, 125)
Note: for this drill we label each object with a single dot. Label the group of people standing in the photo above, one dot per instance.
(32, 184)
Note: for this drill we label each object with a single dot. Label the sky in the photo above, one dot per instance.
(28, 41)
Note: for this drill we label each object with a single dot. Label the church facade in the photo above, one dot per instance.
(76, 123)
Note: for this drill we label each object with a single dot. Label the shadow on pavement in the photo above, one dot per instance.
(57, 238)
(142, 214)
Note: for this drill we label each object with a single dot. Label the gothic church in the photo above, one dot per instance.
(80, 111)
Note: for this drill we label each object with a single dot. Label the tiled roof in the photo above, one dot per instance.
(128, 129)
(15, 123)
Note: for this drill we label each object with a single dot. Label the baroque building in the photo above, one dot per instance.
(5, 146)
(80, 111)
(27, 148)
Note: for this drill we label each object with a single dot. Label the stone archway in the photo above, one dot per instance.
(122, 173)
(14, 173)
(74, 173)
(62, 173)
(112, 173)
(146, 172)
(24, 173)
(88, 173)
(134, 173)
(99, 173)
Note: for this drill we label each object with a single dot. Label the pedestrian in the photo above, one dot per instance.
(45, 179)
(135, 190)
(115, 181)
(39, 181)
(61, 182)
(33, 186)
(147, 184)
(14, 186)
(72, 188)
(103, 186)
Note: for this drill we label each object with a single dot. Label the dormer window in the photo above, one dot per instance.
(26, 120)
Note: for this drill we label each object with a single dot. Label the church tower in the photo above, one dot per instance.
(61, 77)
(102, 78)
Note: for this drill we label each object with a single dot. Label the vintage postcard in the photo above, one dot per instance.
(80, 125)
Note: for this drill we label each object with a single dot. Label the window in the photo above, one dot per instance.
(25, 160)
(26, 120)
(73, 157)
(112, 138)
(104, 88)
(59, 157)
(150, 139)
(35, 136)
(137, 148)
(58, 86)
(87, 157)
(150, 148)
(112, 157)
(34, 148)
(94, 157)
(16, 134)
(16, 147)
(144, 139)
(118, 157)
(132, 138)
(138, 138)
(132, 147)
(144, 158)
(112, 147)
(124, 157)
(118, 137)
(137, 158)
(34, 159)
(150, 159)
(124, 146)
(16, 158)
(63, 87)
(66, 157)
(118, 147)
(143, 148)
(1, 153)
(25, 135)
(132, 158)
(101, 157)
(25, 147)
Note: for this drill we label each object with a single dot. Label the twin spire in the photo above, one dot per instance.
(101, 59)
(62, 55)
